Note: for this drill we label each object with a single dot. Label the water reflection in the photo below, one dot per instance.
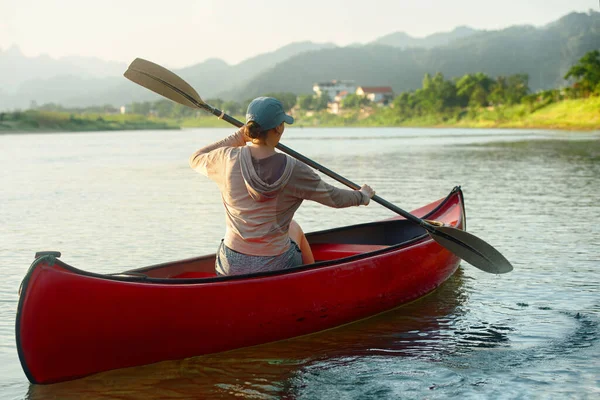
(421, 330)
(582, 150)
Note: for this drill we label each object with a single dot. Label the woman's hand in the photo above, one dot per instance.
(242, 137)
(367, 192)
(244, 131)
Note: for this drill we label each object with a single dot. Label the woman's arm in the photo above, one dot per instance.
(308, 185)
(236, 140)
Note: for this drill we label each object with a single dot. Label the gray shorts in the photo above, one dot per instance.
(230, 262)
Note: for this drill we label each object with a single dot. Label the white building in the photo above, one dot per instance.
(377, 94)
(334, 88)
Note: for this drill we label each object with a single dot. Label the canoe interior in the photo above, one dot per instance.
(328, 246)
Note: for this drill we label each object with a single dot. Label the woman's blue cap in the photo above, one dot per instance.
(268, 112)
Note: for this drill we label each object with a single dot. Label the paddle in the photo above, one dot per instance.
(463, 244)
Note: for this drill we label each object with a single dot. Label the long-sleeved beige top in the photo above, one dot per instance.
(258, 214)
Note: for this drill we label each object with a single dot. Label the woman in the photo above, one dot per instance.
(261, 191)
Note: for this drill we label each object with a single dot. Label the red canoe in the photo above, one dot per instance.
(72, 323)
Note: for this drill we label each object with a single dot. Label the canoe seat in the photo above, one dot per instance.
(195, 274)
(333, 251)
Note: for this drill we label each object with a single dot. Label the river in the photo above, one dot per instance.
(111, 201)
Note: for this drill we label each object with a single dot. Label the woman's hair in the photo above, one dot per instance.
(254, 131)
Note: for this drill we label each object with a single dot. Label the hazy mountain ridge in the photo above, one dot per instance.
(216, 77)
(19, 68)
(63, 85)
(404, 40)
(544, 53)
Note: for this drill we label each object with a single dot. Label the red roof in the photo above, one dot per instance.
(376, 89)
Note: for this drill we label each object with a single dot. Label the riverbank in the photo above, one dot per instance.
(42, 121)
(576, 114)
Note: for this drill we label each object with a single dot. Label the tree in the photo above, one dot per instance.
(498, 94)
(141, 108)
(163, 108)
(305, 102)
(473, 90)
(478, 97)
(217, 103)
(586, 73)
(321, 101)
(517, 87)
(233, 108)
(438, 95)
(354, 101)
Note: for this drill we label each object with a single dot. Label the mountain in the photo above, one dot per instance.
(214, 77)
(80, 82)
(403, 40)
(545, 54)
(18, 68)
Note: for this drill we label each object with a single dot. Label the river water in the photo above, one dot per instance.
(111, 201)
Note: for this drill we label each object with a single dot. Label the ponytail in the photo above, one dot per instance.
(254, 131)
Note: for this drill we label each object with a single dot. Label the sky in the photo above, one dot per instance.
(179, 33)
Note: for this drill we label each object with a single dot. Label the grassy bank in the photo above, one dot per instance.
(578, 114)
(41, 121)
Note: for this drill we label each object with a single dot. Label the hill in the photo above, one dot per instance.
(403, 40)
(545, 54)
(66, 82)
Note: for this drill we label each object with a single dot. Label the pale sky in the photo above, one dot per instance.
(179, 33)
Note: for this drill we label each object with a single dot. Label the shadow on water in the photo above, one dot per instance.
(416, 330)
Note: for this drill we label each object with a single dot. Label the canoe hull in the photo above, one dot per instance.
(71, 324)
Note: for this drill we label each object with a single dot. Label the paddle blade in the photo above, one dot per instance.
(164, 82)
(471, 249)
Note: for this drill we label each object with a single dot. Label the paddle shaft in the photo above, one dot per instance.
(320, 168)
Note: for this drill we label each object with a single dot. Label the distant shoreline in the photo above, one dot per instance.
(568, 115)
(33, 121)
(51, 131)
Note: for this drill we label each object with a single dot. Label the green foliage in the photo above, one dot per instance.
(446, 98)
(35, 120)
(305, 102)
(473, 89)
(586, 73)
(517, 87)
(231, 107)
(321, 102)
(354, 101)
